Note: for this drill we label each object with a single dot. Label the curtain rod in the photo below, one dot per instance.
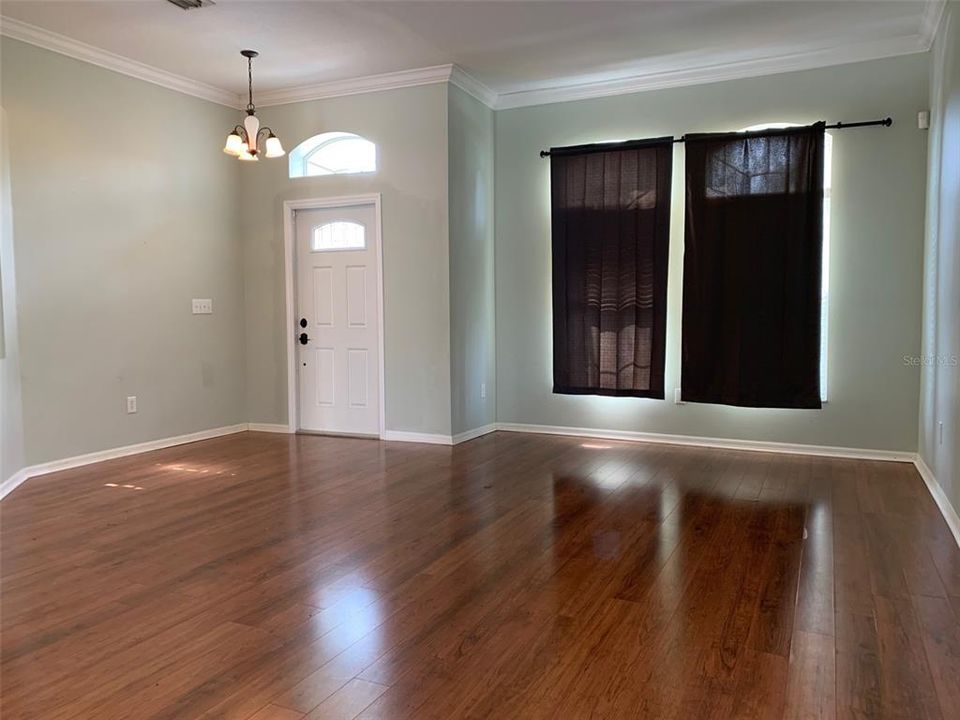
(886, 122)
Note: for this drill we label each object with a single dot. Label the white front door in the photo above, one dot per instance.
(338, 330)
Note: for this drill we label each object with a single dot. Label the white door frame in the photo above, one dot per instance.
(290, 286)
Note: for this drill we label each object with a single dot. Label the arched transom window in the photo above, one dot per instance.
(333, 153)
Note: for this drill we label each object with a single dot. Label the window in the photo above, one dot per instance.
(752, 268)
(825, 284)
(333, 153)
(338, 235)
(610, 239)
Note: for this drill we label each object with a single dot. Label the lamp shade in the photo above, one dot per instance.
(273, 147)
(235, 144)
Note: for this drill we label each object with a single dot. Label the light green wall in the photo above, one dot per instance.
(940, 394)
(409, 127)
(472, 307)
(11, 408)
(125, 209)
(876, 252)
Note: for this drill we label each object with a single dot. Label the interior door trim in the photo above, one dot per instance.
(290, 294)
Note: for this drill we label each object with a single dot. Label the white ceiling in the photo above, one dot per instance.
(513, 48)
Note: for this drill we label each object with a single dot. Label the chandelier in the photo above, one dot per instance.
(244, 140)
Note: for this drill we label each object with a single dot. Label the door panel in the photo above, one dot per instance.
(359, 390)
(324, 364)
(356, 296)
(323, 296)
(337, 294)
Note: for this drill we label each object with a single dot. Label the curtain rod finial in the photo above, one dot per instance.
(544, 153)
(887, 121)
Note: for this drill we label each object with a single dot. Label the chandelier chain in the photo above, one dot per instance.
(250, 105)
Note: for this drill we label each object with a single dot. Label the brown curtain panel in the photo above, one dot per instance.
(752, 268)
(611, 217)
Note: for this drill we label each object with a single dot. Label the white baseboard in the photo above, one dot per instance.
(13, 482)
(939, 497)
(112, 453)
(475, 433)
(415, 437)
(722, 443)
(7, 486)
(936, 491)
(269, 428)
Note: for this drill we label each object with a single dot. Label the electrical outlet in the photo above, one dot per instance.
(131, 404)
(202, 306)
(483, 391)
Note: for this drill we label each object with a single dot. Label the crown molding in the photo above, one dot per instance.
(934, 12)
(474, 87)
(55, 42)
(386, 81)
(356, 86)
(933, 16)
(790, 62)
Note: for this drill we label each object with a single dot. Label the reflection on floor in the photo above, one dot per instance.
(515, 576)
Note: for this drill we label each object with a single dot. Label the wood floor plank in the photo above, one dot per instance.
(815, 594)
(347, 702)
(811, 678)
(941, 638)
(275, 712)
(271, 577)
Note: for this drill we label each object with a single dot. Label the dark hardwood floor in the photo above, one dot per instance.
(268, 577)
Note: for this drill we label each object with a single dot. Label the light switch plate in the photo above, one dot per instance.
(202, 306)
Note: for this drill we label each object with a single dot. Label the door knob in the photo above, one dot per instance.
(304, 339)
